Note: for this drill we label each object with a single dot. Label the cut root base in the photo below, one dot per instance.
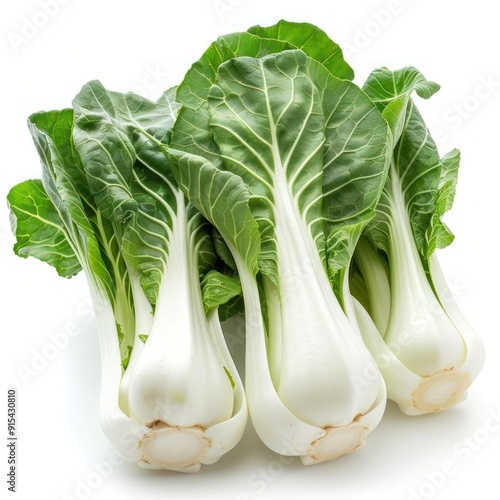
(438, 392)
(338, 441)
(174, 448)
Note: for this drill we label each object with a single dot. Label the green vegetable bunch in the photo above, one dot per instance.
(266, 181)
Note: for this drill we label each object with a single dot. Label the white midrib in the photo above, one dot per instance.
(403, 250)
(289, 226)
(418, 328)
(313, 324)
(177, 378)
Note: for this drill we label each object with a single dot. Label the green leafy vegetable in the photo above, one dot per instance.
(108, 204)
(289, 167)
(266, 182)
(426, 350)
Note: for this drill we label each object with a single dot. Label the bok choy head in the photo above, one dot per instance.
(108, 204)
(287, 158)
(427, 351)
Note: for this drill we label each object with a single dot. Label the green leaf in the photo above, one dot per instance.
(449, 176)
(416, 166)
(126, 359)
(194, 89)
(145, 241)
(106, 151)
(62, 173)
(123, 134)
(39, 230)
(112, 131)
(229, 376)
(217, 289)
(391, 91)
(313, 41)
(192, 132)
(356, 162)
(65, 183)
(95, 240)
(384, 85)
(427, 182)
(222, 198)
(259, 42)
(222, 250)
(266, 115)
(119, 331)
(231, 308)
(287, 111)
(202, 244)
(438, 235)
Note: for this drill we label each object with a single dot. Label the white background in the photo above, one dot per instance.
(123, 43)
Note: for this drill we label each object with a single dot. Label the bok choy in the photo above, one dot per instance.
(267, 179)
(288, 162)
(426, 349)
(107, 203)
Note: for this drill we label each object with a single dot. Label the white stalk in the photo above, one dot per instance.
(419, 331)
(400, 381)
(475, 356)
(277, 427)
(311, 403)
(178, 387)
(322, 357)
(123, 433)
(143, 324)
(225, 435)
(430, 354)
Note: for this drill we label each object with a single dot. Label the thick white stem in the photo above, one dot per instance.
(419, 331)
(278, 428)
(225, 435)
(323, 357)
(122, 432)
(177, 379)
(401, 382)
(143, 324)
(474, 360)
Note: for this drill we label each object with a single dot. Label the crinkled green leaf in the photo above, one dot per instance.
(106, 151)
(128, 122)
(66, 185)
(356, 161)
(391, 91)
(438, 235)
(222, 250)
(426, 181)
(450, 163)
(217, 289)
(112, 131)
(222, 198)
(416, 165)
(259, 42)
(192, 133)
(39, 230)
(329, 137)
(313, 41)
(93, 239)
(201, 240)
(231, 308)
(146, 238)
(126, 359)
(194, 88)
(266, 115)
